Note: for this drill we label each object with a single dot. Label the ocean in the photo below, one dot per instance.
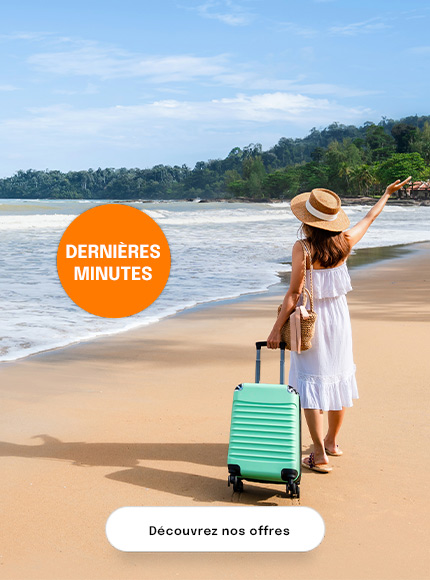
(219, 251)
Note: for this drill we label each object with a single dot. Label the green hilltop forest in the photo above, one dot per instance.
(352, 161)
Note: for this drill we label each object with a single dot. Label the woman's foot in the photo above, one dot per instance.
(331, 448)
(313, 463)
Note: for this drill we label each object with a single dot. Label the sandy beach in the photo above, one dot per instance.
(143, 417)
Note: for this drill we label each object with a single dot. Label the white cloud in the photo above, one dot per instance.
(365, 27)
(252, 81)
(330, 89)
(7, 88)
(279, 106)
(226, 11)
(93, 60)
(111, 122)
(111, 63)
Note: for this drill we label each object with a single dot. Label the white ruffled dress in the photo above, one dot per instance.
(324, 375)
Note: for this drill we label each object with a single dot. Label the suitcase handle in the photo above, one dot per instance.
(258, 346)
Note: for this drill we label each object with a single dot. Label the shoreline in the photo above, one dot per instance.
(346, 201)
(361, 258)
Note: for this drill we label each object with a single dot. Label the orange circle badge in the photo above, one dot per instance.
(113, 260)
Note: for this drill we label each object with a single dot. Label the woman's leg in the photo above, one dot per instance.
(314, 419)
(335, 419)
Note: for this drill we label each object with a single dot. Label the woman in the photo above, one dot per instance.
(324, 375)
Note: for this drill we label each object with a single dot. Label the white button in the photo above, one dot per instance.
(215, 529)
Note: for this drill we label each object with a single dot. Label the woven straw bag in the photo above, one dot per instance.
(298, 331)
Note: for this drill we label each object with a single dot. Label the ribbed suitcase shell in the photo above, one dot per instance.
(265, 432)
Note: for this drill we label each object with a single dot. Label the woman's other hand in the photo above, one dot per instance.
(396, 185)
(291, 297)
(274, 338)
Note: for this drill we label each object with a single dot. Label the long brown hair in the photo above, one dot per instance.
(328, 248)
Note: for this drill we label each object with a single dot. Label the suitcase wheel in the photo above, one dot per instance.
(236, 482)
(293, 490)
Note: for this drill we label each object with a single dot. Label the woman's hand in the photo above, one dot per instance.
(274, 338)
(396, 185)
(355, 234)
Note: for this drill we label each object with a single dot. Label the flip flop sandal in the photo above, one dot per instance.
(337, 453)
(320, 468)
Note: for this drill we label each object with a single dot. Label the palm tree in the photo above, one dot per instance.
(362, 178)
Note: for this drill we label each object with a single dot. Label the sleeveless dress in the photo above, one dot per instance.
(324, 375)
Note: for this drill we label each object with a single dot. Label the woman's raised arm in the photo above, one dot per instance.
(355, 233)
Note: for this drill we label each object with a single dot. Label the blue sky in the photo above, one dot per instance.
(135, 83)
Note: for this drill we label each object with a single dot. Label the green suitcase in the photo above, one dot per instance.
(265, 433)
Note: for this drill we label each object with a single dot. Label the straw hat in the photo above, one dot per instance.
(320, 208)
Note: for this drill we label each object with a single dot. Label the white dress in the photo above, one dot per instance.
(324, 375)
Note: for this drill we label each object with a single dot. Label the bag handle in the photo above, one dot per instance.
(258, 346)
(306, 293)
(307, 251)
